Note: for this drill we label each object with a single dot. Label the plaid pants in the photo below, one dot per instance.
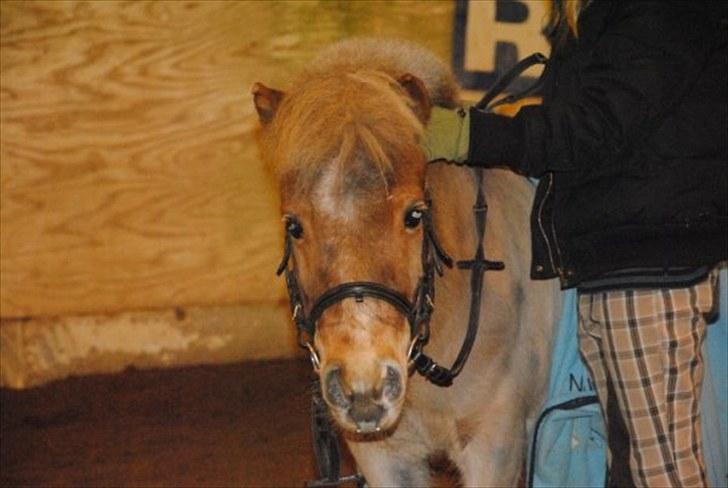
(648, 342)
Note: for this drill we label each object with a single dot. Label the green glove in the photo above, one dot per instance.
(447, 135)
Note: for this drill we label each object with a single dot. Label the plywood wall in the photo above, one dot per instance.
(138, 226)
(130, 178)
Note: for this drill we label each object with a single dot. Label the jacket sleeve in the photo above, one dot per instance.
(625, 77)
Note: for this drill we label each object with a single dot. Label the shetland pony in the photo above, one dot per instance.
(343, 142)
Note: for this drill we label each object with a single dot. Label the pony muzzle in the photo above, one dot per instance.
(368, 407)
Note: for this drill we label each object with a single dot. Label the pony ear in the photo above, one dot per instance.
(416, 89)
(266, 101)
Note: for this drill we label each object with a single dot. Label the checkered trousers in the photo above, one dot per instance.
(649, 343)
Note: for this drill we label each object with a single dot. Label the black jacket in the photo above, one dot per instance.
(630, 143)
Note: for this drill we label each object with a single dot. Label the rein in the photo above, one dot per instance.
(424, 365)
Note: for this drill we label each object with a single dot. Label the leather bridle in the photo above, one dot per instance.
(417, 310)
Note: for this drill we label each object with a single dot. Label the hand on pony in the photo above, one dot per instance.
(447, 135)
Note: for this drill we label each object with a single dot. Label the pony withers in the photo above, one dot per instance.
(361, 206)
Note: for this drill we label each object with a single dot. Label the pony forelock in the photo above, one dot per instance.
(359, 123)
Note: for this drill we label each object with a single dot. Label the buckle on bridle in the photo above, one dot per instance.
(296, 312)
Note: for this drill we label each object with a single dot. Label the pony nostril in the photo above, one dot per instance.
(334, 388)
(392, 386)
(365, 413)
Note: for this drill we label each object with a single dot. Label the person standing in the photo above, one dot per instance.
(630, 145)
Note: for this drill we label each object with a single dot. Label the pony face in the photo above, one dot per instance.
(362, 345)
(351, 175)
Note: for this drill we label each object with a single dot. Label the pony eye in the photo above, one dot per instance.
(294, 228)
(413, 217)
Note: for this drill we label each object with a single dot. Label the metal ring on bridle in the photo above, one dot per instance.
(315, 361)
(413, 351)
(411, 348)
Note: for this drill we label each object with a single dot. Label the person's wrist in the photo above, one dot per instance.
(503, 145)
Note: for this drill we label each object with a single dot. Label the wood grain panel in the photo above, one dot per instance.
(130, 178)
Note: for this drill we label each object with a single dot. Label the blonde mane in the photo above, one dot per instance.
(347, 112)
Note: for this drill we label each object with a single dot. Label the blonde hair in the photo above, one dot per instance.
(562, 20)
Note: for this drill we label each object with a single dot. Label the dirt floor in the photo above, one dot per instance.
(234, 425)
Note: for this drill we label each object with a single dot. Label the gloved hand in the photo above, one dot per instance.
(447, 135)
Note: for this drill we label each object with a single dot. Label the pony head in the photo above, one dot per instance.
(344, 146)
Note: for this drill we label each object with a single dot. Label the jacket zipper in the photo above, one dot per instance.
(564, 274)
(543, 230)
